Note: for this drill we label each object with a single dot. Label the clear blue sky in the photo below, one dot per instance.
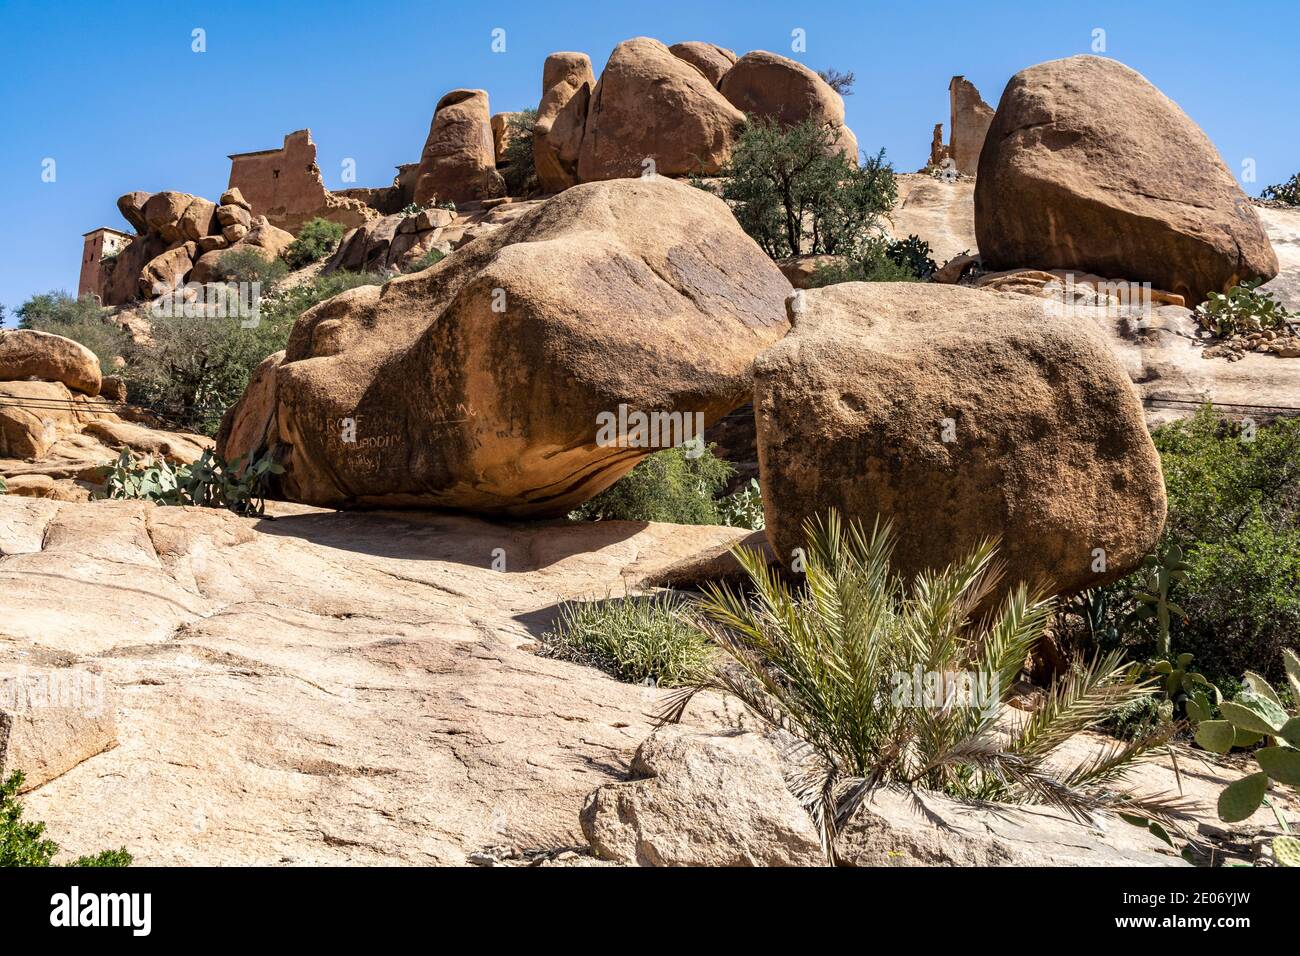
(114, 94)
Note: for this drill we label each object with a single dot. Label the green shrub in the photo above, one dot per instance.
(429, 259)
(251, 264)
(1243, 308)
(284, 307)
(519, 169)
(840, 663)
(82, 320)
(1137, 718)
(195, 367)
(795, 194)
(676, 485)
(640, 640)
(209, 482)
(1287, 192)
(880, 260)
(1234, 506)
(25, 844)
(317, 239)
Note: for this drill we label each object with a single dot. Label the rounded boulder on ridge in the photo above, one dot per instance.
(650, 106)
(1088, 166)
(30, 354)
(769, 86)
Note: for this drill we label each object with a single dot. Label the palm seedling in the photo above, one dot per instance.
(837, 662)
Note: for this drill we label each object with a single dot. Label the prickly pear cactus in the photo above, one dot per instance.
(1286, 851)
(1254, 716)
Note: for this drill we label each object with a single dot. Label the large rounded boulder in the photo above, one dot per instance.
(769, 86)
(711, 60)
(498, 381)
(1088, 166)
(651, 107)
(959, 415)
(29, 354)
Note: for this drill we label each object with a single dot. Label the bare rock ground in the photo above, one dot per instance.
(324, 688)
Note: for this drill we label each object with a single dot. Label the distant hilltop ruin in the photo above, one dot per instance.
(675, 111)
(969, 121)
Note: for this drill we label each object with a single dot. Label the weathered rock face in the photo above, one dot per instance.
(970, 118)
(399, 243)
(459, 159)
(479, 384)
(503, 131)
(651, 106)
(52, 718)
(769, 86)
(286, 187)
(58, 428)
(567, 82)
(802, 270)
(713, 61)
(27, 353)
(163, 213)
(196, 222)
(122, 281)
(131, 206)
(701, 800)
(895, 828)
(1088, 166)
(960, 415)
(168, 270)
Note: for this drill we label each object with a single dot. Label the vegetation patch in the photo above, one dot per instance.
(316, 239)
(1234, 515)
(889, 684)
(640, 640)
(24, 843)
(796, 194)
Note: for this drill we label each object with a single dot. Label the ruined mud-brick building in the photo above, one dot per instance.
(286, 187)
(969, 121)
(99, 248)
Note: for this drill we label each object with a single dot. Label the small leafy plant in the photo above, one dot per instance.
(25, 844)
(208, 482)
(640, 640)
(880, 260)
(252, 265)
(429, 259)
(1243, 308)
(519, 168)
(743, 508)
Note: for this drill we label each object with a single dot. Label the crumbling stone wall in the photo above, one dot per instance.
(286, 187)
